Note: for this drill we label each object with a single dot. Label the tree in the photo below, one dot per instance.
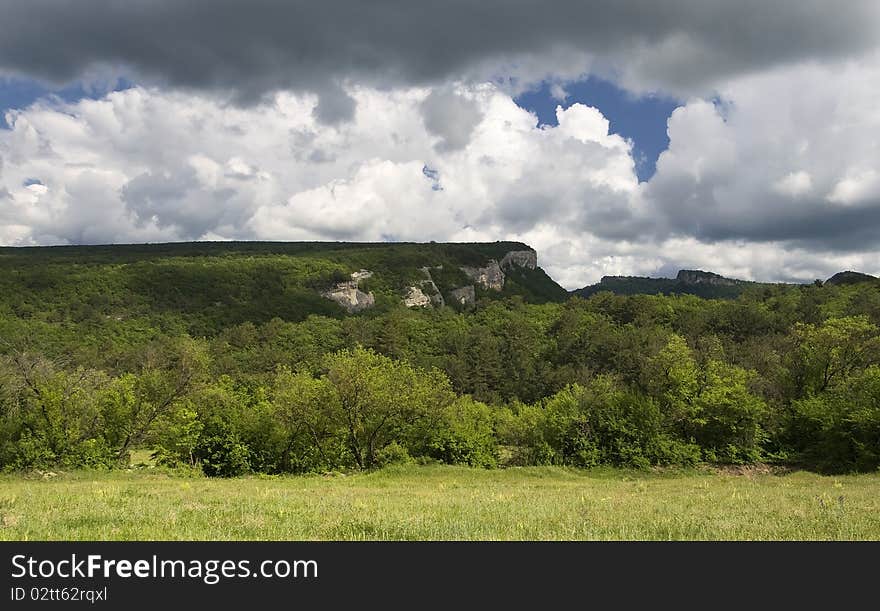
(464, 434)
(134, 402)
(379, 400)
(829, 353)
(839, 430)
(176, 436)
(50, 416)
(728, 416)
(304, 411)
(606, 423)
(673, 378)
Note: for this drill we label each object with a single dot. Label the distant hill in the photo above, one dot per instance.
(202, 287)
(687, 282)
(700, 283)
(850, 277)
(205, 286)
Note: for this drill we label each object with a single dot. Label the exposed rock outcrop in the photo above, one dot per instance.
(416, 298)
(464, 296)
(430, 288)
(696, 276)
(349, 296)
(489, 277)
(425, 294)
(361, 275)
(519, 258)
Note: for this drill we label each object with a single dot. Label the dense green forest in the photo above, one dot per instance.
(226, 358)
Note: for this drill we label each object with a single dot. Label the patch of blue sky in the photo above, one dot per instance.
(641, 119)
(18, 93)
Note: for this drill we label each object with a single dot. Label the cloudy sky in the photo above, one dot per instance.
(615, 136)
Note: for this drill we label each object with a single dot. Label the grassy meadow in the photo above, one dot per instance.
(442, 503)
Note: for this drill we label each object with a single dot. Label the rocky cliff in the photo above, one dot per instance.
(519, 258)
(696, 276)
(489, 277)
(464, 297)
(434, 275)
(416, 298)
(429, 288)
(348, 293)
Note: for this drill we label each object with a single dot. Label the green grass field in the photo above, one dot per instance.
(437, 502)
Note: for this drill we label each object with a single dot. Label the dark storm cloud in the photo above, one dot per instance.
(334, 105)
(451, 117)
(250, 47)
(162, 198)
(810, 226)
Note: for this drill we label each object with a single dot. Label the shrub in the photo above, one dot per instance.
(465, 435)
(392, 454)
(839, 429)
(605, 423)
(176, 438)
(221, 453)
(728, 417)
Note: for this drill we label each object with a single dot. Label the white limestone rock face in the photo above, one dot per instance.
(464, 296)
(416, 298)
(361, 275)
(429, 287)
(489, 277)
(520, 258)
(349, 296)
(352, 299)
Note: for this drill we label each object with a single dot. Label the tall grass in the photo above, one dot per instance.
(436, 502)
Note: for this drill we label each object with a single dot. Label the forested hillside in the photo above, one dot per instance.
(687, 282)
(229, 358)
(201, 288)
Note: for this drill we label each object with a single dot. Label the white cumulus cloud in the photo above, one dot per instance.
(774, 179)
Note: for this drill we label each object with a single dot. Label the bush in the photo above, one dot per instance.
(604, 423)
(26, 452)
(221, 453)
(392, 454)
(728, 416)
(176, 438)
(520, 431)
(465, 435)
(91, 454)
(839, 430)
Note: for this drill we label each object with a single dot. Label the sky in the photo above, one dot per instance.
(617, 137)
(638, 118)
